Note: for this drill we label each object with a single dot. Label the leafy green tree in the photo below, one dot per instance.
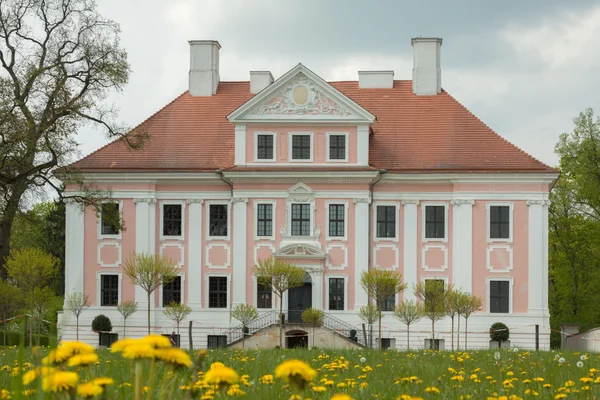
(370, 313)
(60, 59)
(45, 305)
(127, 308)
(76, 303)
(11, 303)
(469, 304)
(432, 295)
(380, 285)
(408, 312)
(314, 317)
(245, 313)
(177, 312)
(149, 272)
(279, 276)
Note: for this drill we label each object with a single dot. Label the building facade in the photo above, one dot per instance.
(336, 177)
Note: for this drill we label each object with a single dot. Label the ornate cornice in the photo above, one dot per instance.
(239, 200)
(194, 201)
(460, 202)
(407, 202)
(149, 201)
(362, 200)
(538, 202)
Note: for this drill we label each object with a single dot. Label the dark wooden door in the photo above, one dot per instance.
(299, 299)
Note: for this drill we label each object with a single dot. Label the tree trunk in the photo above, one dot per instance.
(77, 328)
(124, 328)
(458, 335)
(466, 322)
(8, 217)
(453, 333)
(148, 313)
(280, 322)
(408, 337)
(379, 332)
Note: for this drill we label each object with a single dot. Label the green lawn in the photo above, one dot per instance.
(382, 375)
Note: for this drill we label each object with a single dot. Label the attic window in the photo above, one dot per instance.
(300, 95)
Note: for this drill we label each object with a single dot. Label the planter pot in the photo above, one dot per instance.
(245, 330)
(438, 344)
(106, 339)
(177, 339)
(494, 344)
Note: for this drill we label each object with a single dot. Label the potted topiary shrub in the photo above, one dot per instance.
(102, 325)
(499, 335)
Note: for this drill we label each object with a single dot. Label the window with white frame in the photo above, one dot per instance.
(337, 147)
(389, 304)
(172, 292)
(109, 217)
(386, 221)
(301, 147)
(435, 222)
(109, 290)
(434, 293)
(337, 223)
(499, 222)
(264, 219)
(265, 146)
(172, 220)
(300, 219)
(264, 296)
(218, 220)
(336, 294)
(499, 296)
(217, 292)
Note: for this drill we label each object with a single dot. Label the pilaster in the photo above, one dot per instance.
(462, 244)
(240, 206)
(74, 255)
(538, 257)
(195, 245)
(410, 247)
(145, 236)
(361, 250)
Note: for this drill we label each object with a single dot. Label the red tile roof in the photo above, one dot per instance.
(411, 134)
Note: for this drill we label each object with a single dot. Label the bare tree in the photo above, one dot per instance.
(59, 60)
(177, 312)
(370, 313)
(149, 272)
(76, 303)
(380, 285)
(279, 276)
(127, 308)
(314, 317)
(244, 313)
(408, 312)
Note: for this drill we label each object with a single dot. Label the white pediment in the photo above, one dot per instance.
(300, 193)
(301, 95)
(300, 250)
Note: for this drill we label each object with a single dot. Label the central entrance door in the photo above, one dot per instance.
(299, 299)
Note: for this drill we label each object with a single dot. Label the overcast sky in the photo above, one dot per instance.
(525, 68)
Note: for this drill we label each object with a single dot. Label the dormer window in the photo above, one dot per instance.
(301, 147)
(265, 146)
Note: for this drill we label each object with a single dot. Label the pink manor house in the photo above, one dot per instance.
(335, 177)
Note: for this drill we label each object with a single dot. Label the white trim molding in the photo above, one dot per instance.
(99, 288)
(343, 238)
(424, 206)
(255, 204)
(119, 253)
(162, 204)
(330, 247)
(328, 147)
(511, 211)
(179, 245)
(255, 297)
(119, 235)
(396, 237)
(265, 160)
(225, 246)
(392, 246)
(488, 258)
(207, 292)
(290, 146)
(226, 203)
(426, 247)
(339, 276)
(258, 245)
(510, 293)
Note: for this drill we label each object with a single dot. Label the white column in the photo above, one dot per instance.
(240, 145)
(145, 218)
(316, 275)
(545, 258)
(362, 148)
(194, 275)
(410, 247)
(74, 262)
(462, 244)
(537, 285)
(239, 250)
(361, 249)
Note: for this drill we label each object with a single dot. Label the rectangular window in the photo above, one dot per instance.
(264, 220)
(217, 292)
(499, 222)
(499, 296)
(386, 221)
(300, 219)
(172, 220)
(264, 296)
(218, 220)
(216, 341)
(172, 292)
(336, 219)
(336, 294)
(435, 222)
(264, 147)
(109, 218)
(337, 147)
(109, 290)
(300, 147)
(389, 304)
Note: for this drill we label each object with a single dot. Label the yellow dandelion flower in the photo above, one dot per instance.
(296, 396)
(458, 378)
(82, 360)
(319, 389)
(569, 383)
(432, 389)
(4, 394)
(139, 350)
(266, 379)
(89, 390)
(560, 396)
(295, 371)
(363, 385)
(77, 347)
(175, 357)
(341, 385)
(531, 392)
(341, 396)
(103, 381)
(235, 390)
(59, 381)
(221, 375)
(122, 344)
(547, 386)
(156, 341)
(30, 376)
(329, 382)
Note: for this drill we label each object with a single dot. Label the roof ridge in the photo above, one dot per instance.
(131, 130)
(496, 133)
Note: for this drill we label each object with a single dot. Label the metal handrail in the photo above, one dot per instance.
(344, 329)
(265, 320)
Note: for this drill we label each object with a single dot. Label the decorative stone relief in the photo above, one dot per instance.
(194, 201)
(460, 202)
(414, 202)
(300, 193)
(362, 200)
(150, 201)
(301, 97)
(300, 251)
(538, 202)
